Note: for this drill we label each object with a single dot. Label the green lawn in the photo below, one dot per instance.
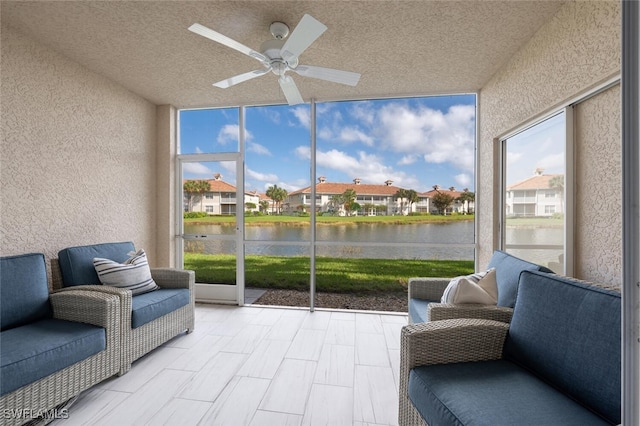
(360, 276)
(321, 220)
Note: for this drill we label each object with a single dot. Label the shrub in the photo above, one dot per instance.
(195, 215)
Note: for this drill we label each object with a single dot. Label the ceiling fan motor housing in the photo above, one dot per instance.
(271, 49)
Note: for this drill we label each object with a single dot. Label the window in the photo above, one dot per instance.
(534, 175)
(364, 161)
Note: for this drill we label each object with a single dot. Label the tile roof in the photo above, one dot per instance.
(339, 188)
(533, 182)
(430, 194)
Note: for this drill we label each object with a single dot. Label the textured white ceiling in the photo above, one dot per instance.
(399, 47)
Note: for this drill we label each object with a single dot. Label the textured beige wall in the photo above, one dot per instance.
(78, 155)
(598, 172)
(578, 48)
(166, 181)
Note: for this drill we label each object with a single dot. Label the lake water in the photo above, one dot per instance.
(367, 240)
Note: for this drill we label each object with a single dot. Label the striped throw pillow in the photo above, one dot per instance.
(134, 274)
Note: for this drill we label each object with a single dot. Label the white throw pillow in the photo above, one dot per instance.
(476, 288)
(134, 274)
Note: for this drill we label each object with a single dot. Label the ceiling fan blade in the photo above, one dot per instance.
(223, 39)
(305, 33)
(329, 74)
(290, 90)
(232, 81)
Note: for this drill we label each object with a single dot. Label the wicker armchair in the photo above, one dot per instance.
(425, 292)
(557, 361)
(38, 397)
(444, 342)
(136, 342)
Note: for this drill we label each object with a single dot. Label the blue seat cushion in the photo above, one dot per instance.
(76, 263)
(418, 309)
(34, 351)
(150, 306)
(568, 333)
(23, 290)
(508, 270)
(491, 393)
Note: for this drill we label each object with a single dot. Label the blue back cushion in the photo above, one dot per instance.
(568, 334)
(76, 263)
(23, 289)
(508, 270)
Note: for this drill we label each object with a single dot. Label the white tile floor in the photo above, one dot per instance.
(259, 366)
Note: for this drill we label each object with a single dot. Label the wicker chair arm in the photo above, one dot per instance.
(427, 288)
(443, 311)
(91, 307)
(449, 341)
(173, 278)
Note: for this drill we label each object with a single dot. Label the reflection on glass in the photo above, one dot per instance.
(534, 193)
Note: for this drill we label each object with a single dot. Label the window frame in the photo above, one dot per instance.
(569, 185)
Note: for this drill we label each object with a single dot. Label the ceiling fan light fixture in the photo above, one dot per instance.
(279, 30)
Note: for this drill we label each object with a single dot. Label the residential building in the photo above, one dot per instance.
(373, 199)
(220, 199)
(538, 195)
(458, 205)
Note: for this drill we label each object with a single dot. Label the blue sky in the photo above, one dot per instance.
(540, 146)
(415, 142)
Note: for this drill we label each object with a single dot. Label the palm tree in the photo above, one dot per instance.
(466, 198)
(193, 188)
(264, 205)
(278, 195)
(336, 201)
(202, 187)
(401, 194)
(557, 183)
(412, 197)
(349, 199)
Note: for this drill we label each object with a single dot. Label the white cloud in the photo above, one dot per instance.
(303, 115)
(364, 112)
(258, 149)
(407, 159)
(271, 113)
(369, 167)
(325, 133)
(463, 180)
(439, 137)
(198, 169)
(231, 133)
(352, 134)
(262, 177)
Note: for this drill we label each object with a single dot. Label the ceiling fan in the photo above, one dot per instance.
(280, 55)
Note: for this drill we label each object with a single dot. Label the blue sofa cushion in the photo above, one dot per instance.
(34, 351)
(508, 270)
(76, 263)
(23, 290)
(418, 309)
(568, 334)
(491, 393)
(150, 306)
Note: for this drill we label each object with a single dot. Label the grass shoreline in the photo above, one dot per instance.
(328, 220)
(340, 275)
